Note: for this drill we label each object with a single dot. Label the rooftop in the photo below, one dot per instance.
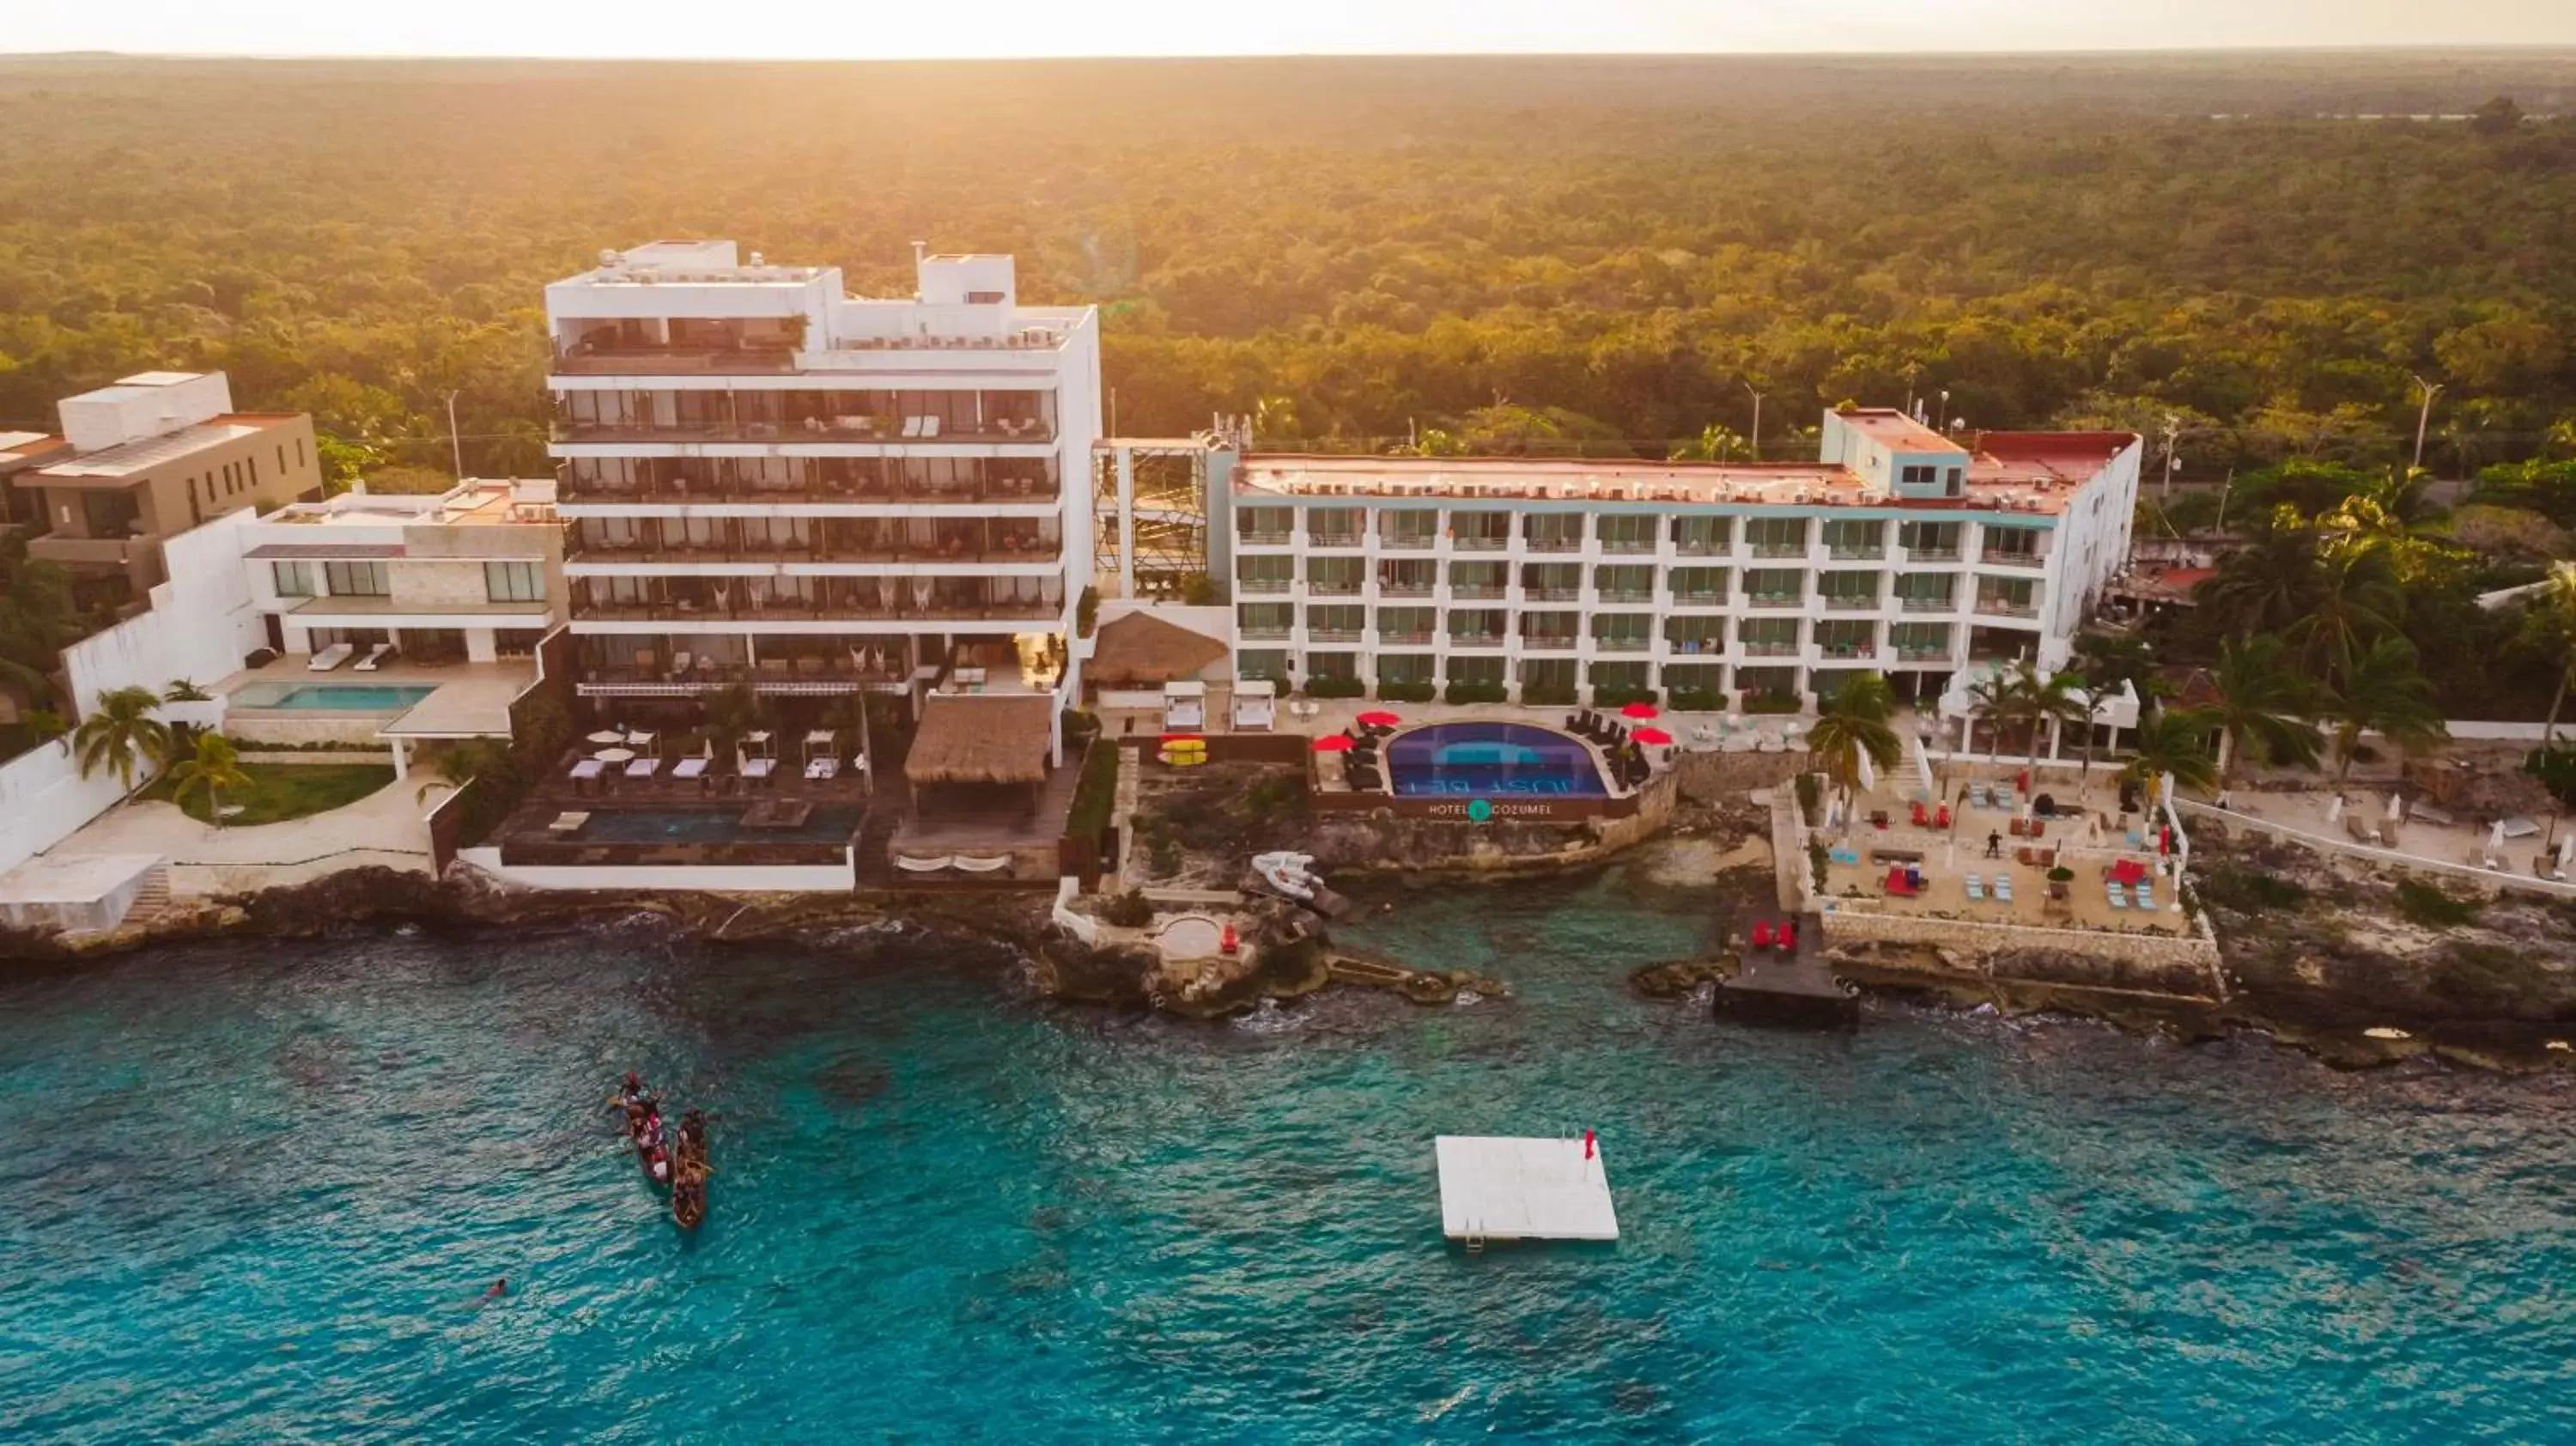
(1999, 483)
(131, 459)
(474, 503)
(1896, 431)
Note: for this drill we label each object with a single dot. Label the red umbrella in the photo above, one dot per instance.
(1333, 743)
(1184, 738)
(1653, 737)
(1638, 710)
(1379, 719)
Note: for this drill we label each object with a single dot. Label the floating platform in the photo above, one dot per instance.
(1498, 1187)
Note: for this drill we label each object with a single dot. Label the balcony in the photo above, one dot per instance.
(1263, 586)
(1870, 553)
(1846, 652)
(1699, 599)
(1621, 644)
(1476, 590)
(1551, 594)
(1696, 647)
(1768, 650)
(1320, 588)
(88, 551)
(1264, 537)
(1932, 554)
(1702, 548)
(863, 428)
(1922, 652)
(1850, 604)
(1408, 542)
(1926, 604)
(746, 357)
(684, 615)
(1264, 632)
(1547, 643)
(1414, 637)
(1335, 539)
(1466, 542)
(1628, 546)
(1995, 607)
(1475, 640)
(1555, 544)
(2031, 560)
(1334, 635)
(1035, 552)
(578, 489)
(1386, 588)
(1631, 595)
(1775, 601)
(1779, 549)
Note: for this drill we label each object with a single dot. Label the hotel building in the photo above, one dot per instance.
(1900, 551)
(766, 480)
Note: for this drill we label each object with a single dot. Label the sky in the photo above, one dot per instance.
(904, 29)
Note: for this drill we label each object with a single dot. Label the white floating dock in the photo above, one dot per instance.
(1496, 1187)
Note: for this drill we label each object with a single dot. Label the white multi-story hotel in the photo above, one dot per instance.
(1899, 551)
(773, 482)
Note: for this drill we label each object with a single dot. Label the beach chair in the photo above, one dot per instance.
(1976, 795)
(2003, 888)
(2118, 896)
(1762, 934)
(2146, 895)
(1788, 940)
(376, 655)
(329, 658)
(1976, 886)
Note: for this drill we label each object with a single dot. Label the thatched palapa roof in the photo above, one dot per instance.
(1142, 648)
(980, 738)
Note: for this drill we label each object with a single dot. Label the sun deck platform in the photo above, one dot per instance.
(1499, 1188)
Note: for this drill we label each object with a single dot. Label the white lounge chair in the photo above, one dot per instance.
(588, 768)
(375, 655)
(974, 865)
(644, 767)
(1976, 889)
(330, 657)
(2003, 888)
(912, 865)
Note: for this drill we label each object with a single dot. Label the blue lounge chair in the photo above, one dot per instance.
(2003, 888)
(2146, 895)
(1976, 889)
(2119, 896)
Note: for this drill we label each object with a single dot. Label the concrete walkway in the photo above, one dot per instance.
(386, 827)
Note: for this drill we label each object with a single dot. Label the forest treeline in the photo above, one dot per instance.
(1614, 255)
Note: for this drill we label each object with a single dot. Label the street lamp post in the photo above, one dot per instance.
(1754, 442)
(455, 445)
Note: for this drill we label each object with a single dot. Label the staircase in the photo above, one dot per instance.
(886, 810)
(152, 900)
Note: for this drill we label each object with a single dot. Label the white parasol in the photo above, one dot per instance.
(2334, 810)
(2495, 836)
(614, 755)
(2396, 807)
(607, 736)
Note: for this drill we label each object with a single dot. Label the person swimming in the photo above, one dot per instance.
(499, 1288)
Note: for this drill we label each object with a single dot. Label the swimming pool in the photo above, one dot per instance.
(1486, 759)
(333, 697)
(722, 824)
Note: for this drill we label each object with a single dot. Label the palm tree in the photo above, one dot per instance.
(731, 713)
(2266, 585)
(2383, 692)
(1853, 723)
(466, 760)
(2046, 698)
(121, 733)
(2260, 706)
(1996, 699)
(2555, 607)
(2175, 742)
(213, 767)
(2356, 600)
(180, 690)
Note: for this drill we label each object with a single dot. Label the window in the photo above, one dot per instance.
(1266, 620)
(1701, 536)
(281, 459)
(253, 463)
(1407, 668)
(983, 298)
(1627, 532)
(294, 579)
(1476, 672)
(514, 582)
(1919, 476)
(299, 452)
(1336, 622)
(1776, 536)
(354, 579)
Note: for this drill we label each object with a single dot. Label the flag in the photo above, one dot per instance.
(1587, 1144)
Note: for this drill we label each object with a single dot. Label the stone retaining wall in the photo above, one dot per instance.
(1724, 777)
(2151, 963)
(321, 756)
(1384, 839)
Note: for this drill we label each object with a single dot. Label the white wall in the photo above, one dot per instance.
(201, 623)
(712, 879)
(43, 800)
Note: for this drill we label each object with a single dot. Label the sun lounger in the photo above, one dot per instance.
(330, 657)
(2003, 888)
(2119, 896)
(643, 767)
(819, 768)
(910, 864)
(974, 865)
(690, 767)
(375, 655)
(2146, 895)
(1976, 887)
(588, 768)
(758, 767)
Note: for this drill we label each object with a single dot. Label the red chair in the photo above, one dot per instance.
(1788, 938)
(1918, 814)
(1762, 935)
(1942, 819)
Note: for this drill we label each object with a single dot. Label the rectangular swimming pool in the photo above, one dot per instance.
(333, 697)
(722, 824)
(1475, 759)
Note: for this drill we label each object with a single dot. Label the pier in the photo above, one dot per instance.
(1797, 989)
(1500, 1188)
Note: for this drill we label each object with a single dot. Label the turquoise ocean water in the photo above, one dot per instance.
(258, 1190)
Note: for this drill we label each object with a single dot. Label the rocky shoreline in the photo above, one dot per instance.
(2316, 960)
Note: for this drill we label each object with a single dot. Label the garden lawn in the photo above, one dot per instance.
(281, 791)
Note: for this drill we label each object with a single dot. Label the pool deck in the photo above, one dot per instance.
(472, 699)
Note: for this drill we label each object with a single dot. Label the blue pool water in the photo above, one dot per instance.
(333, 697)
(712, 825)
(1487, 759)
(257, 1189)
